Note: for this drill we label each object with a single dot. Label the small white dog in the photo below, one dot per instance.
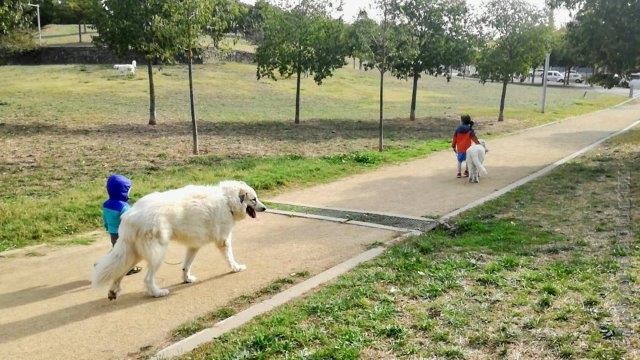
(193, 216)
(126, 68)
(475, 160)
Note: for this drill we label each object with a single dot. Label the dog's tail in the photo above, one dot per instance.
(114, 264)
(478, 164)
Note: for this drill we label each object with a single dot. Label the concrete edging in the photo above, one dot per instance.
(335, 219)
(355, 210)
(190, 343)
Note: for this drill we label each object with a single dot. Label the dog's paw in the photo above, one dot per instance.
(189, 279)
(238, 267)
(160, 293)
(112, 295)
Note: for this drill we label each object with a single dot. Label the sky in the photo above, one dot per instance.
(351, 8)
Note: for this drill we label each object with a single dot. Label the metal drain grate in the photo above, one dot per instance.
(366, 217)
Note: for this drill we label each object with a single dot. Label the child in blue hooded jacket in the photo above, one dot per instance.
(118, 187)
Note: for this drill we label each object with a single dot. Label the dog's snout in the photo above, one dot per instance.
(261, 208)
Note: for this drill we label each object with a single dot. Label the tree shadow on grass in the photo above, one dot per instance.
(307, 130)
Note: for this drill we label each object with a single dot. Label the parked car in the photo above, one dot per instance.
(575, 77)
(555, 76)
(634, 80)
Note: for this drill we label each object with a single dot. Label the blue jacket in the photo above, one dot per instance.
(118, 187)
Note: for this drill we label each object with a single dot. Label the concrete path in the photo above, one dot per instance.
(427, 187)
(48, 311)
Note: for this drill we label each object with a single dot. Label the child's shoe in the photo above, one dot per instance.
(459, 175)
(466, 173)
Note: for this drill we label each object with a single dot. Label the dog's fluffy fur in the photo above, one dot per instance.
(475, 161)
(193, 216)
(126, 68)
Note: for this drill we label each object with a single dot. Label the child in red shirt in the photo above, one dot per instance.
(463, 137)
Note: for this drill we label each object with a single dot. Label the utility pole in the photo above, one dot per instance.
(544, 83)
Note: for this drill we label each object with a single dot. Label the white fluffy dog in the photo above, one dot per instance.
(193, 216)
(126, 68)
(475, 160)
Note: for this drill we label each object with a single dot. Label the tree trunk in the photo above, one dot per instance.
(194, 126)
(152, 94)
(412, 114)
(297, 118)
(354, 62)
(380, 127)
(79, 32)
(567, 70)
(533, 76)
(84, 28)
(504, 93)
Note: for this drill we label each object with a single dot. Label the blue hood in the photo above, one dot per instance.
(118, 189)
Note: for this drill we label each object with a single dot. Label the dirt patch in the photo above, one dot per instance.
(40, 158)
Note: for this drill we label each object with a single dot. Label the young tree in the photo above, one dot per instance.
(76, 11)
(435, 37)
(518, 38)
(383, 47)
(16, 33)
(358, 36)
(196, 18)
(147, 28)
(303, 39)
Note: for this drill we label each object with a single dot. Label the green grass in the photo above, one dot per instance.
(67, 34)
(237, 305)
(30, 220)
(63, 129)
(515, 279)
(92, 94)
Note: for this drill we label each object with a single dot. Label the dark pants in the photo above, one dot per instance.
(114, 238)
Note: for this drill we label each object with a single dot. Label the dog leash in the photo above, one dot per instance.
(168, 263)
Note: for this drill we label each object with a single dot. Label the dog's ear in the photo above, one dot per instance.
(243, 194)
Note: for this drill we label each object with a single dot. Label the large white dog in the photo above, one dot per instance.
(475, 161)
(193, 216)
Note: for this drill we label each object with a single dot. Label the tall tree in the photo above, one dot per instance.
(435, 37)
(565, 52)
(358, 36)
(383, 45)
(16, 33)
(517, 39)
(607, 32)
(301, 39)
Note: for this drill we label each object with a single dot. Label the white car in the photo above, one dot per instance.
(556, 76)
(575, 77)
(634, 81)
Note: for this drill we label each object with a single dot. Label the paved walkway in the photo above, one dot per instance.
(48, 311)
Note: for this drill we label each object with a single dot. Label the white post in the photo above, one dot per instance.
(39, 28)
(544, 83)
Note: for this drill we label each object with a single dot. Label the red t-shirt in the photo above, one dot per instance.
(462, 138)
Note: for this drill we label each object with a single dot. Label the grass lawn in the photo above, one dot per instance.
(66, 34)
(536, 274)
(63, 129)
